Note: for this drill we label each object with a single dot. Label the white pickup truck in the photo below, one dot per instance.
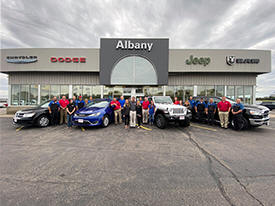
(167, 111)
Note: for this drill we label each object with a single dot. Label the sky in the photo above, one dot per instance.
(202, 24)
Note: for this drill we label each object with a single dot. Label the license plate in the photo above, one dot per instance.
(80, 120)
(182, 117)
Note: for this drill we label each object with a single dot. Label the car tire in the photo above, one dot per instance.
(43, 121)
(161, 121)
(106, 121)
(185, 123)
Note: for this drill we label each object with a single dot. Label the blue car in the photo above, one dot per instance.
(99, 112)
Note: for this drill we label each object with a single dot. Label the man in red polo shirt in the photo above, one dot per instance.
(224, 109)
(176, 101)
(117, 110)
(63, 112)
(145, 110)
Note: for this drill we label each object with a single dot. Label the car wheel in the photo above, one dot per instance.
(185, 123)
(43, 121)
(161, 121)
(106, 121)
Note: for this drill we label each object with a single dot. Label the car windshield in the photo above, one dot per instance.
(163, 100)
(101, 104)
(44, 104)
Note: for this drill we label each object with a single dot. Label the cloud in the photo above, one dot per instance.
(188, 24)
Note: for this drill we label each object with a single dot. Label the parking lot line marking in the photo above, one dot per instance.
(202, 127)
(19, 128)
(82, 129)
(146, 128)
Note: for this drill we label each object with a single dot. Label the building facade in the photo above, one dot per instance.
(139, 67)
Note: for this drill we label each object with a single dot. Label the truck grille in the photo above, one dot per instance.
(178, 110)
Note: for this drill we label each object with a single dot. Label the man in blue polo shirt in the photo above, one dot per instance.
(122, 102)
(237, 112)
(54, 108)
(80, 102)
(200, 109)
(192, 102)
(211, 111)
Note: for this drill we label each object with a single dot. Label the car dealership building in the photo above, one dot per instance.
(139, 67)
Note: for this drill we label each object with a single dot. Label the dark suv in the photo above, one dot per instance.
(255, 115)
(269, 105)
(38, 116)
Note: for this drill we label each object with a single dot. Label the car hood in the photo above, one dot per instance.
(168, 106)
(34, 109)
(254, 106)
(90, 110)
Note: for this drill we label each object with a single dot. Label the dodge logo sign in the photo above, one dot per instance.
(21, 59)
(68, 59)
(230, 60)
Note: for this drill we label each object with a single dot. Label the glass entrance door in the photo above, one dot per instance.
(128, 92)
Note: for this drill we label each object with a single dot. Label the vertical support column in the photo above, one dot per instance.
(195, 91)
(254, 94)
(164, 90)
(39, 94)
(225, 90)
(101, 91)
(9, 95)
(70, 91)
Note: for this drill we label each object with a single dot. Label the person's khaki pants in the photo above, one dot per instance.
(63, 116)
(145, 116)
(223, 119)
(133, 117)
(118, 113)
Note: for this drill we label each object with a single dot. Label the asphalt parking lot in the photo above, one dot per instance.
(198, 165)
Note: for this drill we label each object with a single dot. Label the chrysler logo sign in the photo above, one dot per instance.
(230, 60)
(21, 59)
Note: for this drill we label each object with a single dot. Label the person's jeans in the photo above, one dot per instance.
(118, 113)
(151, 118)
(69, 120)
(63, 113)
(133, 117)
(223, 119)
(145, 116)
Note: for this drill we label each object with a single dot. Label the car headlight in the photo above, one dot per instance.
(95, 114)
(255, 112)
(28, 114)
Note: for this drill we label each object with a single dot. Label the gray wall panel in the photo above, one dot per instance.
(211, 79)
(53, 78)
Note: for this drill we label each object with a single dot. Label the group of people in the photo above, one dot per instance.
(65, 108)
(133, 111)
(209, 109)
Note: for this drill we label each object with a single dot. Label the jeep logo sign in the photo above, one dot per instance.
(198, 60)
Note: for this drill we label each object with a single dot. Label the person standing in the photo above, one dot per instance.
(126, 113)
(139, 113)
(224, 109)
(75, 102)
(117, 110)
(86, 101)
(181, 103)
(71, 108)
(80, 102)
(141, 101)
(145, 111)
(237, 112)
(54, 108)
(192, 102)
(200, 109)
(176, 101)
(152, 109)
(187, 104)
(133, 112)
(63, 112)
(122, 102)
(211, 111)
(90, 99)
